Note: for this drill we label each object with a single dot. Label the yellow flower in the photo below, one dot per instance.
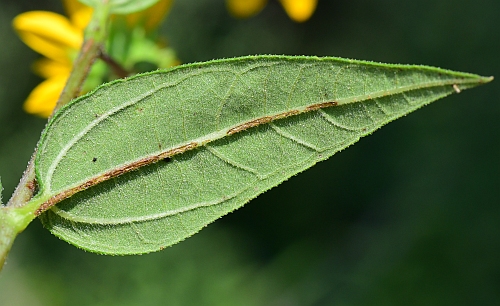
(297, 10)
(59, 39)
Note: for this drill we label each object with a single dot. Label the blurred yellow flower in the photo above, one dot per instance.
(297, 10)
(59, 39)
(245, 8)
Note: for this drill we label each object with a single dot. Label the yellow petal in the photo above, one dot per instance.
(78, 13)
(72, 6)
(48, 33)
(45, 48)
(81, 18)
(48, 68)
(43, 98)
(299, 10)
(245, 8)
(152, 16)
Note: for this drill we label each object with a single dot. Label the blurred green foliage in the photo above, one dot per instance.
(407, 216)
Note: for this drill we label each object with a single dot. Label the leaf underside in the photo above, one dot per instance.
(178, 149)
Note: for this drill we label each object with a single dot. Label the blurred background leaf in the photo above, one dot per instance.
(411, 215)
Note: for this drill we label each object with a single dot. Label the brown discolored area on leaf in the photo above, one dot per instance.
(321, 105)
(114, 173)
(267, 119)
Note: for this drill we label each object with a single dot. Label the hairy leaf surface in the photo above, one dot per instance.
(165, 153)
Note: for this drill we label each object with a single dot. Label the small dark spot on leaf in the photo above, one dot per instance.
(167, 159)
(94, 159)
(159, 146)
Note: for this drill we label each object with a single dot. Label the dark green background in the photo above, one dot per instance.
(407, 216)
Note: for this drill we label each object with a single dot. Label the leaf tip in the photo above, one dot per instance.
(476, 81)
(483, 80)
(487, 79)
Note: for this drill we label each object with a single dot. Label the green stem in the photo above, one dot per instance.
(18, 213)
(13, 220)
(95, 39)
(26, 187)
(7, 235)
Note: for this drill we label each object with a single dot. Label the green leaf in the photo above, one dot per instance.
(168, 152)
(122, 6)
